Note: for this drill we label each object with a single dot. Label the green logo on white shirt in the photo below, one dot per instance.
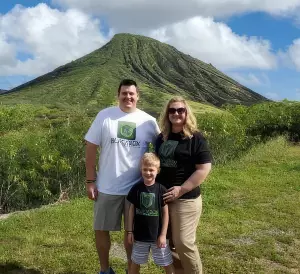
(126, 130)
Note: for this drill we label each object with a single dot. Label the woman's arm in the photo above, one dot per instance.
(197, 178)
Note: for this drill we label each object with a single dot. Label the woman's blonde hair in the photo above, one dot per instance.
(190, 126)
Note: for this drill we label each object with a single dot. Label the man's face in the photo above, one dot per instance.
(128, 98)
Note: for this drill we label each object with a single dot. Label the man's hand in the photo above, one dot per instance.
(172, 194)
(162, 241)
(92, 191)
(130, 238)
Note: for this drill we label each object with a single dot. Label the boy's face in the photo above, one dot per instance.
(149, 173)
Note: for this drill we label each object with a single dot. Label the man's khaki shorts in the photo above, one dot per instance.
(108, 211)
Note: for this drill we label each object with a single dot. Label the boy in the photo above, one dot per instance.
(148, 219)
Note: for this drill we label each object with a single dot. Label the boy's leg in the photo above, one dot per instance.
(134, 268)
(163, 257)
(140, 254)
(127, 246)
(169, 269)
(108, 211)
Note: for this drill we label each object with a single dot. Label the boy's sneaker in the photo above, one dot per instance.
(109, 272)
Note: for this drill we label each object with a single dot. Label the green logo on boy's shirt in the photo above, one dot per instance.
(147, 199)
(126, 130)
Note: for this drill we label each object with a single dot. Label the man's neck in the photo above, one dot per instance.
(128, 110)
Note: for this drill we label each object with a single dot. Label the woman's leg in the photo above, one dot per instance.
(184, 218)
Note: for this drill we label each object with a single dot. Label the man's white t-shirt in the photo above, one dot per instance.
(123, 138)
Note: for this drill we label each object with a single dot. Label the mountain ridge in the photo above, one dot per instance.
(157, 67)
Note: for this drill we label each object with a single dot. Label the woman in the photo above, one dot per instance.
(185, 163)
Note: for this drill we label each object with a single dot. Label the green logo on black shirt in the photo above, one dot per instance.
(147, 199)
(167, 153)
(126, 130)
(148, 205)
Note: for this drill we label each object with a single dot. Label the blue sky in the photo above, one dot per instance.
(258, 45)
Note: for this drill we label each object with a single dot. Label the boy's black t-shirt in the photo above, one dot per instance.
(178, 159)
(148, 203)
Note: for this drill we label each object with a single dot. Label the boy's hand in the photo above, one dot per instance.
(130, 237)
(162, 241)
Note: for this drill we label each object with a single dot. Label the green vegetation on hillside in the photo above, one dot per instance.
(42, 148)
(158, 68)
(249, 223)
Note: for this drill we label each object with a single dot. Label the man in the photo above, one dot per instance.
(123, 133)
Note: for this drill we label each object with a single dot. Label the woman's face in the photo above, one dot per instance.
(177, 114)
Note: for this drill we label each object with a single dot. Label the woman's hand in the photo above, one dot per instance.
(172, 194)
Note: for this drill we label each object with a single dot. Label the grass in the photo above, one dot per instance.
(250, 223)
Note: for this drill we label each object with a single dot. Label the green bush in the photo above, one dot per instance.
(39, 162)
(226, 135)
(270, 119)
(42, 148)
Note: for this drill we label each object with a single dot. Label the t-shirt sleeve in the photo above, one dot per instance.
(156, 131)
(163, 190)
(95, 131)
(132, 195)
(158, 143)
(200, 152)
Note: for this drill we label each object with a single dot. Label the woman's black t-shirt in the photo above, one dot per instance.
(179, 157)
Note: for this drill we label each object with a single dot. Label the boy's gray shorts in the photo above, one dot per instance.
(108, 211)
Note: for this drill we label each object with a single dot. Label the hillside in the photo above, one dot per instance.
(249, 224)
(2, 91)
(160, 69)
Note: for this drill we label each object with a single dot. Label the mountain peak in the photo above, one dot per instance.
(156, 66)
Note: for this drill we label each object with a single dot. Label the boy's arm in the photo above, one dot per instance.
(165, 220)
(130, 237)
(162, 241)
(130, 218)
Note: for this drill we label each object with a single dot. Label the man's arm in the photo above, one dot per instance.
(90, 168)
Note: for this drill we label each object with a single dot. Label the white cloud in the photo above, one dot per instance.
(214, 42)
(251, 79)
(293, 54)
(49, 36)
(134, 14)
(273, 96)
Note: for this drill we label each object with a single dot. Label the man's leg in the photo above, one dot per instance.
(103, 247)
(108, 211)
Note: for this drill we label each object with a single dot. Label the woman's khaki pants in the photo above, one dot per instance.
(184, 219)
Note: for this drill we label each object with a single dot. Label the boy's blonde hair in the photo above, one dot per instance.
(150, 159)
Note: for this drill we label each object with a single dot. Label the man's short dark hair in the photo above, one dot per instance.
(127, 82)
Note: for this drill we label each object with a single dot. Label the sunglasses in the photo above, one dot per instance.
(178, 110)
